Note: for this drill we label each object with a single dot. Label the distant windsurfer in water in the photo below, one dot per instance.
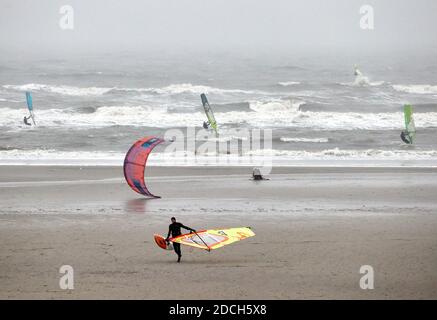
(356, 71)
(206, 125)
(408, 134)
(26, 119)
(406, 137)
(30, 108)
(174, 229)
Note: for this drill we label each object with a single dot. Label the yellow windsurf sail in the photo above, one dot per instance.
(213, 239)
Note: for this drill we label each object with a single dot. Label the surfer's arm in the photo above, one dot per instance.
(187, 228)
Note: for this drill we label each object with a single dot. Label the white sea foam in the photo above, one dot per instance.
(224, 138)
(276, 105)
(196, 89)
(363, 81)
(342, 154)
(103, 117)
(315, 140)
(275, 113)
(172, 89)
(55, 157)
(65, 90)
(416, 89)
(288, 83)
(284, 157)
(285, 113)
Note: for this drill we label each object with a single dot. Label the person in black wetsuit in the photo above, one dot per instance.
(175, 230)
(406, 137)
(26, 119)
(256, 174)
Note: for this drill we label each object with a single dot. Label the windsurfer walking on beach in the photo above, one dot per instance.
(174, 229)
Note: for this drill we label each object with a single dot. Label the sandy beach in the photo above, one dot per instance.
(315, 228)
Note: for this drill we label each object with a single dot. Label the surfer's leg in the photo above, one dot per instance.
(177, 249)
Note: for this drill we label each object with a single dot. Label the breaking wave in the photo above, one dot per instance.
(363, 81)
(64, 90)
(276, 105)
(172, 89)
(288, 83)
(342, 154)
(271, 113)
(416, 89)
(285, 157)
(315, 140)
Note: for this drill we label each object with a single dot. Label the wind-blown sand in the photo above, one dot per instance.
(315, 228)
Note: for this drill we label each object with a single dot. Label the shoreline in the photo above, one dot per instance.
(293, 164)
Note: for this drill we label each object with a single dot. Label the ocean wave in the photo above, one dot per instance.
(9, 100)
(197, 89)
(223, 138)
(64, 90)
(276, 105)
(172, 89)
(288, 113)
(343, 154)
(280, 113)
(56, 157)
(160, 158)
(288, 83)
(364, 121)
(104, 116)
(315, 140)
(111, 112)
(363, 81)
(416, 89)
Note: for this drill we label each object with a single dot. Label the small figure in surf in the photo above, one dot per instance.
(408, 134)
(256, 174)
(25, 119)
(356, 71)
(30, 108)
(174, 229)
(360, 79)
(206, 125)
(405, 136)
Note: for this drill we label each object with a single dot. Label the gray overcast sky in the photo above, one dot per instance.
(142, 25)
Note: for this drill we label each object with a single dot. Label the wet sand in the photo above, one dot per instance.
(315, 228)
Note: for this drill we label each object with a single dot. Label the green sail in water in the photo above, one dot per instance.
(209, 114)
(410, 129)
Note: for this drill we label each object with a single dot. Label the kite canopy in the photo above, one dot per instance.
(135, 163)
(213, 239)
